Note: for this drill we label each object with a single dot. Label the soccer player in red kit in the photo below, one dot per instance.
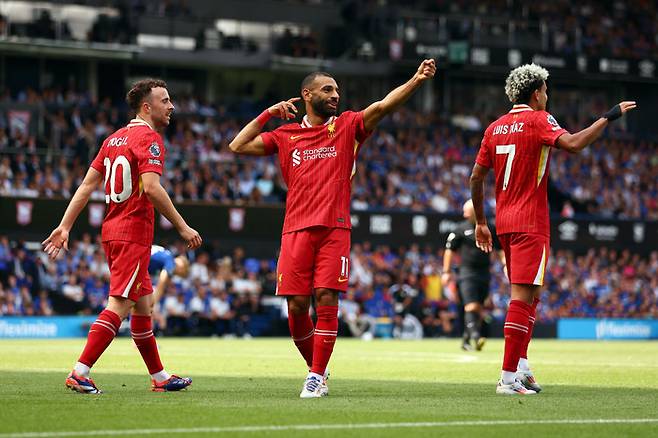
(518, 147)
(318, 159)
(130, 163)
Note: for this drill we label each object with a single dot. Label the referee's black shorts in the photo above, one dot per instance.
(474, 289)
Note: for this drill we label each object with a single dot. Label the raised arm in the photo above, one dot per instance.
(60, 236)
(483, 239)
(248, 141)
(380, 109)
(580, 140)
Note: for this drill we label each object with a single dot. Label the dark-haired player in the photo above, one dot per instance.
(130, 163)
(518, 147)
(318, 160)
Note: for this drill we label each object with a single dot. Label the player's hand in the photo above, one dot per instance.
(483, 239)
(445, 278)
(426, 70)
(285, 109)
(627, 105)
(57, 240)
(192, 237)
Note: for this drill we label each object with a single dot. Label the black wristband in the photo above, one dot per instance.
(613, 113)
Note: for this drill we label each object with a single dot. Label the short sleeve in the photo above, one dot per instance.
(360, 132)
(151, 154)
(271, 142)
(97, 163)
(484, 154)
(548, 129)
(454, 241)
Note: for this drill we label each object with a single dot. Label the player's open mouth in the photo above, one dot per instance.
(332, 105)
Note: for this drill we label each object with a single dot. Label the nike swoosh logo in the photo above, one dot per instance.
(295, 137)
(342, 280)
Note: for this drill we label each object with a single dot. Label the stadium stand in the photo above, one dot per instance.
(413, 162)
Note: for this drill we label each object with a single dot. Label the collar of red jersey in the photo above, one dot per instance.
(520, 108)
(138, 121)
(306, 124)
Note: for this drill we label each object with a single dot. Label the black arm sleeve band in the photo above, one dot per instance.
(613, 113)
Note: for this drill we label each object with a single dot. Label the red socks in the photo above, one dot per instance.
(101, 334)
(301, 330)
(141, 329)
(516, 333)
(531, 325)
(326, 331)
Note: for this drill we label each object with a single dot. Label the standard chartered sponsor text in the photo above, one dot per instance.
(320, 153)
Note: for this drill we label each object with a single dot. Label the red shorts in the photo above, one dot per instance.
(526, 255)
(312, 258)
(128, 263)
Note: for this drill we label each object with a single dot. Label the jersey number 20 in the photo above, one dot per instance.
(111, 170)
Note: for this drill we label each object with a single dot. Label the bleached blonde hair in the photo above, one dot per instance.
(522, 78)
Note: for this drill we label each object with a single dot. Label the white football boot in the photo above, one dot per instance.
(515, 388)
(312, 386)
(324, 389)
(527, 379)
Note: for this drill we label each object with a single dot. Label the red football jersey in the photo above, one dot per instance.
(518, 147)
(124, 156)
(317, 163)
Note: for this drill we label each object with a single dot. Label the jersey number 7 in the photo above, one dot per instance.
(510, 151)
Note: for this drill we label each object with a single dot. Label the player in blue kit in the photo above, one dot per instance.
(163, 266)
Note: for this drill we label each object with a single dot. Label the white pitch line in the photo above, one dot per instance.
(303, 427)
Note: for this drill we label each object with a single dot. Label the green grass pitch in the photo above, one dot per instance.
(378, 388)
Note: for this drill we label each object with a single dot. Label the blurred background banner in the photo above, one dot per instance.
(33, 219)
(50, 327)
(588, 328)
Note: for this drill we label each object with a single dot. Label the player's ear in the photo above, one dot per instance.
(306, 94)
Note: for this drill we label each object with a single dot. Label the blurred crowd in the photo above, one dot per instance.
(413, 161)
(562, 27)
(392, 292)
(589, 27)
(609, 28)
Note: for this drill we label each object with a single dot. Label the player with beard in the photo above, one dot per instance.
(129, 163)
(318, 161)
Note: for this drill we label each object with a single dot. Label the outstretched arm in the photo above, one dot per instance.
(483, 239)
(248, 141)
(60, 236)
(380, 109)
(580, 140)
